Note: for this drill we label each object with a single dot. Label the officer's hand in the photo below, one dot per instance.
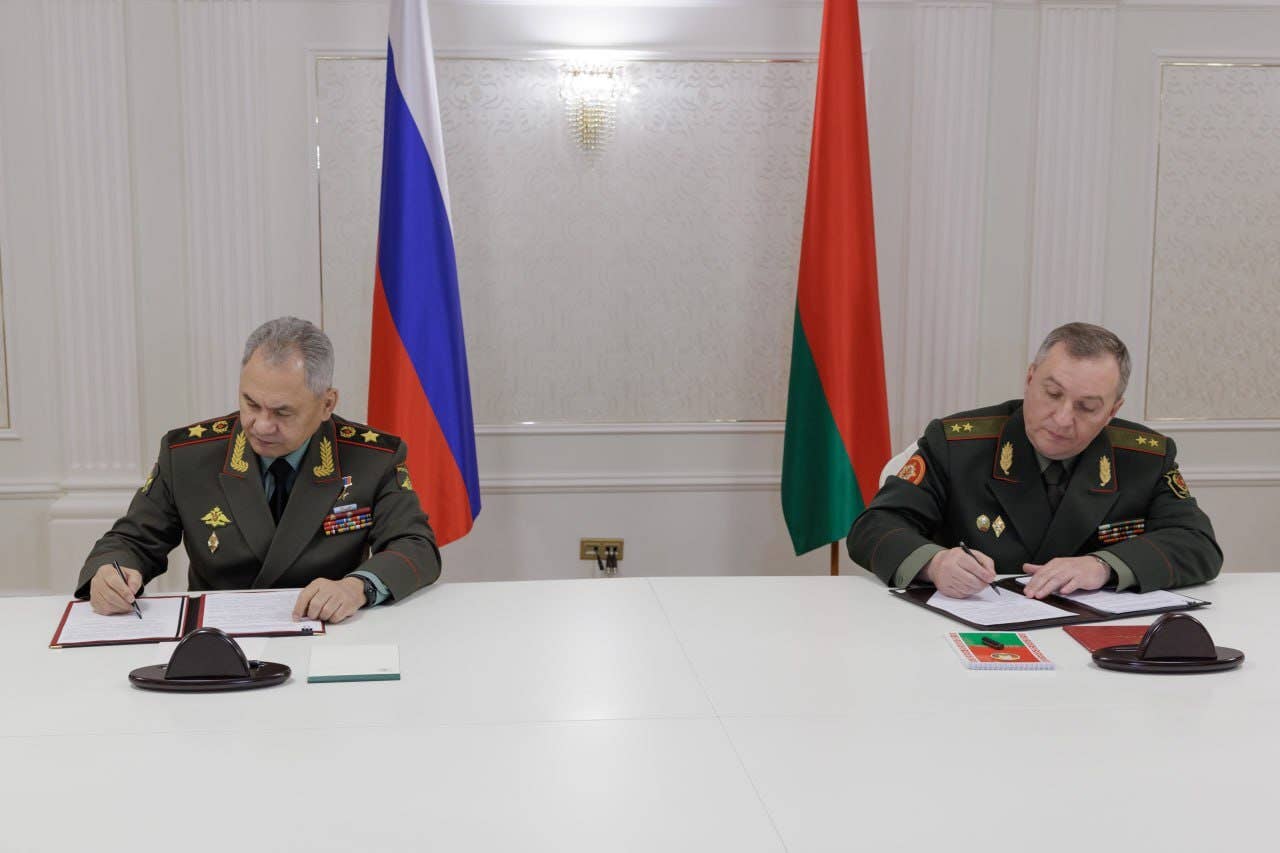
(108, 594)
(1065, 575)
(957, 574)
(329, 601)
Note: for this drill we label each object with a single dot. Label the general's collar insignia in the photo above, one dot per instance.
(238, 463)
(1104, 470)
(326, 467)
(1006, 460)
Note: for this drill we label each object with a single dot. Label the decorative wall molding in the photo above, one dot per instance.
(228, 288)
(631, 483)
(1173, 427)
(727, 428)
(1073, 141)
(939, 340)
(93, 231)
(29, 491)
(1228, 476)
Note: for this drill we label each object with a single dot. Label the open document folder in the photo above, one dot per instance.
(1007, 608)
(255, 613)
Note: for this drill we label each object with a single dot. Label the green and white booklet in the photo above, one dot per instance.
(354, 663)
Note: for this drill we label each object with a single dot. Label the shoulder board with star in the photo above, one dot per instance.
(1124, 438)
(361, 435)
(963, 429)
(205, 431)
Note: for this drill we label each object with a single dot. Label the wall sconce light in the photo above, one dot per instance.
(590, 94)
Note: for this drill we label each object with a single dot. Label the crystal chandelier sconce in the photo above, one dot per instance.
(590, 94)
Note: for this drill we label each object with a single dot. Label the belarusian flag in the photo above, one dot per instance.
(837, 415)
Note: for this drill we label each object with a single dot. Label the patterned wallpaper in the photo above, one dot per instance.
(653, 281)
(1216, 280)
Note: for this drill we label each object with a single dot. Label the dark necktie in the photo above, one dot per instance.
(1055, 484)
(280, 471)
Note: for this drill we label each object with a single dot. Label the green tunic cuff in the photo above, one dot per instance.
(915, 561)
(1125, 577)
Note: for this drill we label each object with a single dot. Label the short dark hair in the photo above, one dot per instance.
(1085, 340)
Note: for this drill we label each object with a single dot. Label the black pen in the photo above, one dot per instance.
(120, 571)
(992, 644)
(993, 586)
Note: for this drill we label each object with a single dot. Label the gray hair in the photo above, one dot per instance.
(283, 337)
(1085, 340)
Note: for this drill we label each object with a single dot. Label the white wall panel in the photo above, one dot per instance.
(951, 62)
(1073, 138)
(160, 183)
(223, 134)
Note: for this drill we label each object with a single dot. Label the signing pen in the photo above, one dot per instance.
(994, 644)
(965, 547)
(120, 571)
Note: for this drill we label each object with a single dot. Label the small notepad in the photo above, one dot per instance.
(1018, 652)
(354, 663)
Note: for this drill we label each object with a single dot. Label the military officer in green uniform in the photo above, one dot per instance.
(282, 493)
(1052, 485)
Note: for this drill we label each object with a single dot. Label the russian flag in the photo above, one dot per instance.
(418, 385)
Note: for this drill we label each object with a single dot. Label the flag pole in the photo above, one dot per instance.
(835, 558)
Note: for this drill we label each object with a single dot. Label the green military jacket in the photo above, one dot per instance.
(976, 478)
(206, 491)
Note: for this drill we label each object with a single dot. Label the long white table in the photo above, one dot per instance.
(671, 714)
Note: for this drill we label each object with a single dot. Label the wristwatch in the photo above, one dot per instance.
(370, 591)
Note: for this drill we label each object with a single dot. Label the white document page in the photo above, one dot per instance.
(267, 612)
(161, 620)
(990, 608)
(1109, 601)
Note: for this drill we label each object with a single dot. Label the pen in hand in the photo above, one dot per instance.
(965, 548)
(120, 571)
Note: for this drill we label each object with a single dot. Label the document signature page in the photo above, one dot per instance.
(1110, 601)
(991, 608)
(268, 612)
(161, 620)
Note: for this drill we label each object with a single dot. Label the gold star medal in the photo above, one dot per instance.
(346, 487)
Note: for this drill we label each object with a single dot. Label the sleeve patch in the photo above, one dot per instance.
(1177, 485)
(151, 478)
(913, 471)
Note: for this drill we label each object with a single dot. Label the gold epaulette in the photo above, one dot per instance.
(1132, 439)
(962, 429)
(203, 431)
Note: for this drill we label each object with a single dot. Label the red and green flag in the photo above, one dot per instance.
(837, 437)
